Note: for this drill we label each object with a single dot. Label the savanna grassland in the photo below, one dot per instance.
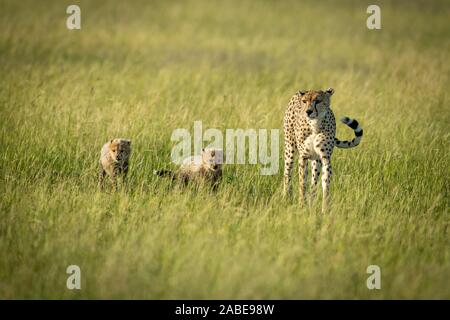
(140, 69)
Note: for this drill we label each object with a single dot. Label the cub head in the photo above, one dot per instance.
(212, 158)
(120, 149)
(316, 102)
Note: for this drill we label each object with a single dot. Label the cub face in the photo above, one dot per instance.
(212, 158)
(120, 149)
(316, 102)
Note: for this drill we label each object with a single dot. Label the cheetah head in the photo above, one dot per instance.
(316, 102)
(120, 149)
(212, 158)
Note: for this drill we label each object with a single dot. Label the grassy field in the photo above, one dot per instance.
(141, 69)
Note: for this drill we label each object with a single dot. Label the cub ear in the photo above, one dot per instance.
(302, 92)
(329, 91)
(111, 144)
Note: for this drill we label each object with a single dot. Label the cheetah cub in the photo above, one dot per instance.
(114, 159)
(310, 129)
(206, 167)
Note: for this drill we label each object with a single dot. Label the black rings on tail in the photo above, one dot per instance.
(358, 134)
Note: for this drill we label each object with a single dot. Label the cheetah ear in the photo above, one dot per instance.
(329, 91)
(302, 92)
(111, 144)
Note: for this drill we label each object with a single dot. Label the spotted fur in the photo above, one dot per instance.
(310, 129)
(206, 167)
(114, 160)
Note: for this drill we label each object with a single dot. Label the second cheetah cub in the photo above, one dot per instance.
(206, 167)
(114, 161)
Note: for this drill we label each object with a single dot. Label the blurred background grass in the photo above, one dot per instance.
(140, 69)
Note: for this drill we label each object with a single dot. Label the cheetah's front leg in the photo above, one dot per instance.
(124, 177)
(316, 165)
(326, 179)
(302, 178)
(288, 164)
(101, 177)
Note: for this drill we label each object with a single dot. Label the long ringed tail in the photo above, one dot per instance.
(352, 123)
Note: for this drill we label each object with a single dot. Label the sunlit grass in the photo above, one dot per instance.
(139, 70)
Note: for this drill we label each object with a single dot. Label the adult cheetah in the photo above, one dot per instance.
(310, 128)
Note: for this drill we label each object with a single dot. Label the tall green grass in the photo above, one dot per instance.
(141, 69)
